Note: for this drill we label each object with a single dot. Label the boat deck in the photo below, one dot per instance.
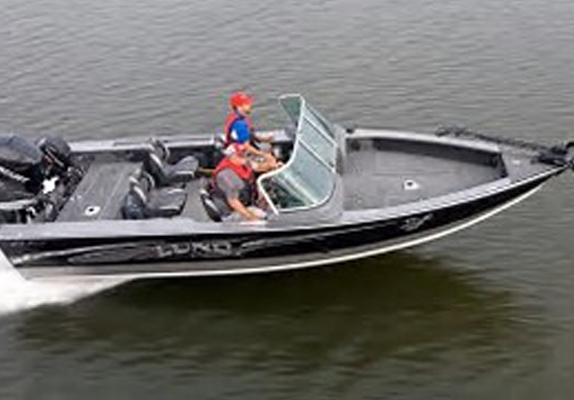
(193, 207)
(384, 175)
(100, 193)
(377, 174)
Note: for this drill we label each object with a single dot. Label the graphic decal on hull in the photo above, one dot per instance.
(415, 223)
(204, 249)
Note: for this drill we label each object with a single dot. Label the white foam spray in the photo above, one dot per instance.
(18, 294)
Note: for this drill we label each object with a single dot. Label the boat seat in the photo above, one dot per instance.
(169, 174)
(214, 205)
(145, 201)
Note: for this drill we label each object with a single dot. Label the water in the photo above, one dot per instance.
(488, 313)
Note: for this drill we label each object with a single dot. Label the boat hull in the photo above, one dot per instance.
(254, 252)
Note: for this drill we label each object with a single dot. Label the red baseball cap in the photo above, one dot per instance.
(240, 99)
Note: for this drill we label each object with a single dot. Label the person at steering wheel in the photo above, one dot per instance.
(234, 182)
(239, 129)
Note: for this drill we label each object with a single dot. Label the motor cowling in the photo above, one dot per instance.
(38, 176)
(57, 154)
(20, 168)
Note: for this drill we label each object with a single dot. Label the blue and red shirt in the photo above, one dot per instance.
(238, 129)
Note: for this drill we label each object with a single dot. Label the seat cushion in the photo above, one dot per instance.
(171, 174)
(166, 202)
(183, 170)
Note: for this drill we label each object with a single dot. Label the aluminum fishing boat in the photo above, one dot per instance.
(135, 209)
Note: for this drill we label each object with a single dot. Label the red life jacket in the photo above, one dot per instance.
(247, 194)
(231, 118)
(243, 171)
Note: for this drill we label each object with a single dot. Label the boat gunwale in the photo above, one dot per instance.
(194, 140)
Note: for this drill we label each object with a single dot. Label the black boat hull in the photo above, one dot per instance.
(137, 257)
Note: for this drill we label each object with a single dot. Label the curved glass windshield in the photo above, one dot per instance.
(308, 179)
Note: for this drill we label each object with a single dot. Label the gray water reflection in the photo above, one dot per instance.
(365, 329)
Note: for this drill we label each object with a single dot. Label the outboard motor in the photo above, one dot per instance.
(20, 177)
(60, 175)
(20, 168)
(35, 178)
(57, 154)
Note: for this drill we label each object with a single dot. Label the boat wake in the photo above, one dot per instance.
(18, 294)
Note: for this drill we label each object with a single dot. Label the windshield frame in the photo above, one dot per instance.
(327, 132)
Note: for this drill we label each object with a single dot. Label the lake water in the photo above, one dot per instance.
(485, 314)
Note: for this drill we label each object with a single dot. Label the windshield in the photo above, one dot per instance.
(308, 179)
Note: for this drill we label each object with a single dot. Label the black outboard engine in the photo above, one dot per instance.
(60, 175)
(35, 178)
(20, 177)
(57, 155)
(21, 172)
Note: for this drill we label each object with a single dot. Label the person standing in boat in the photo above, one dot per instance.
(239, 128)
(234, 183)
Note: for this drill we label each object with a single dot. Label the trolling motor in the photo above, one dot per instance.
(561, 155)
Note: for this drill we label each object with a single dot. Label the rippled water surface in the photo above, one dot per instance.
(486, 314)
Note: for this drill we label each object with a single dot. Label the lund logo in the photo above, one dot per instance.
(196, 249)
(414, 223)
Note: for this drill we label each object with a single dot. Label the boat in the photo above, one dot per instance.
(137, 208)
